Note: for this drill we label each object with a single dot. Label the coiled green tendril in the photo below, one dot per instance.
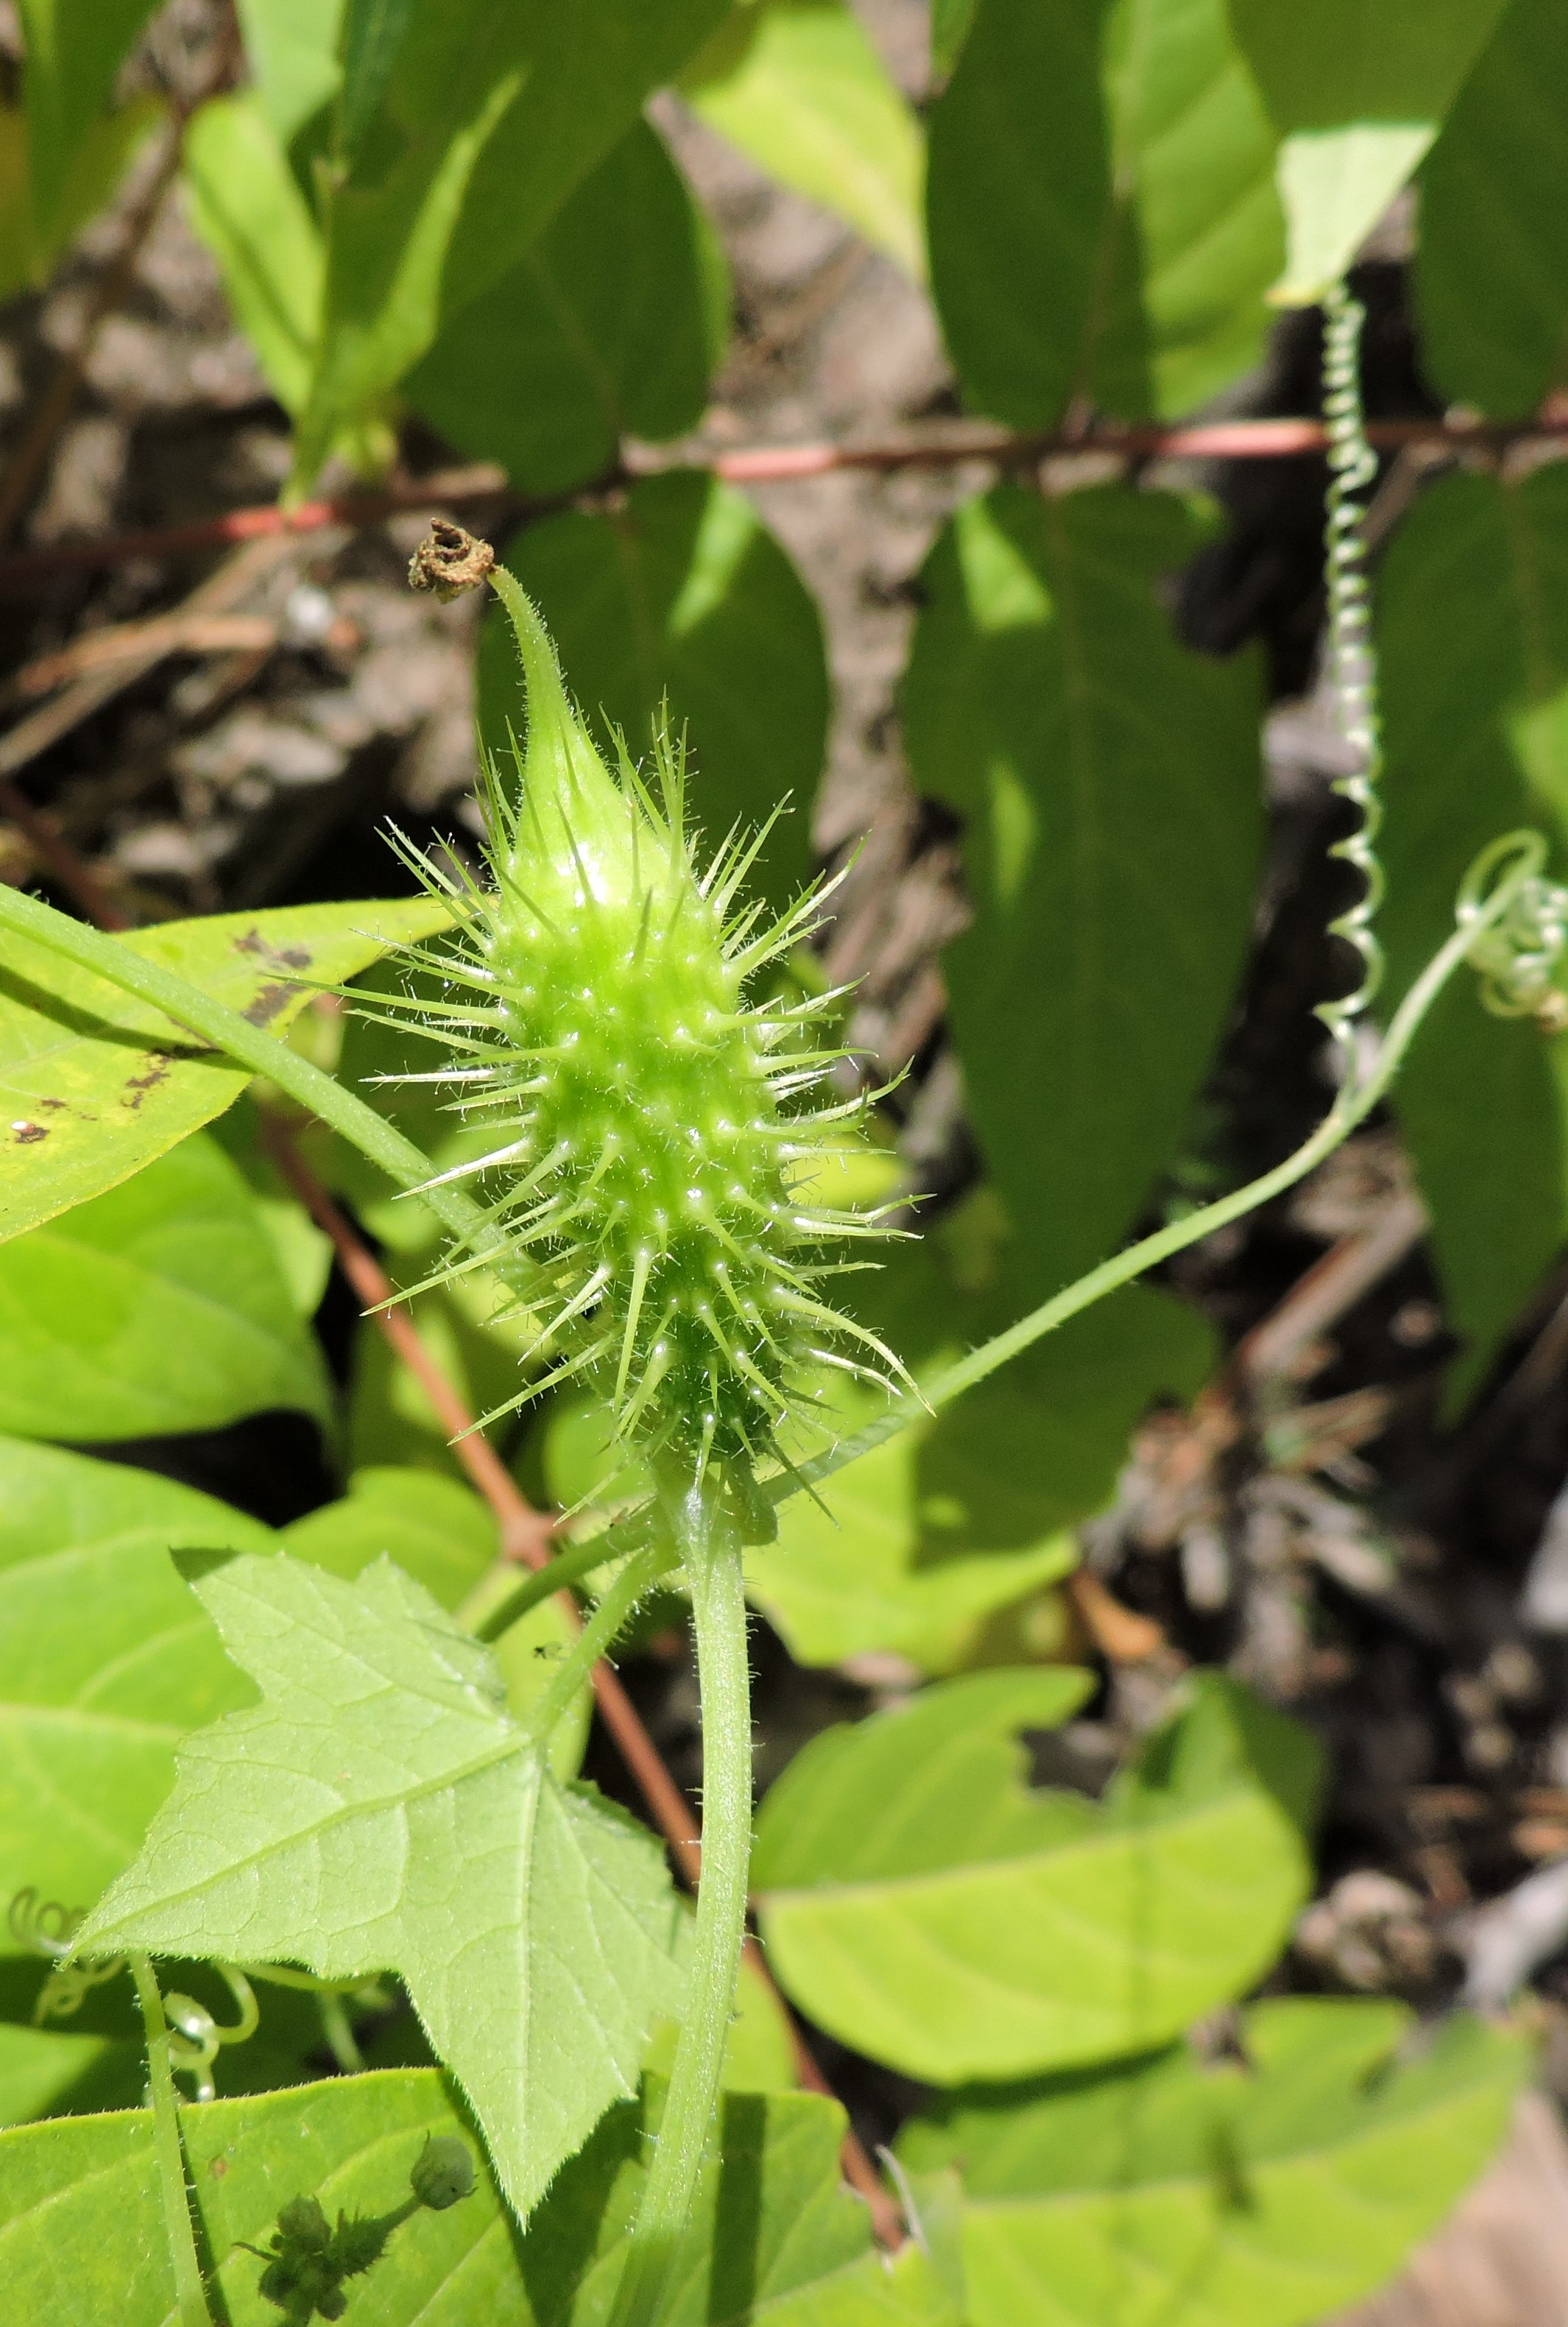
(1352, 469)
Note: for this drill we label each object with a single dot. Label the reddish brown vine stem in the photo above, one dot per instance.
(763, 464)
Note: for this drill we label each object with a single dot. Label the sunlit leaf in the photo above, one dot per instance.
(920, 1902)
(157, 1307)
(78, 2210)
(609, 326)
(1356, 92)
(798, 85)
(94, 1084)
(1258, 2195)
(379, 1811)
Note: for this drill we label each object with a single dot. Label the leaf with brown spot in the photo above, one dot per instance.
(121, 1082)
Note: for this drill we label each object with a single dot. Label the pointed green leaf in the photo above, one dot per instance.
(609, 326)
(290, 48)
(491, 116)
(373, 33)
(157, 1307)
(798, 85)
(1473, 645)
(380, 1812)
(247, 206)
(1223, 2196)
(1033, 260)
(920, 1903)
(1108, 780)
(74, 50)
(106, 1661)
(683, 594)
(1103, 214)
(1491, 269)
(80, 2232)
(1358, 92)
(94, 1084)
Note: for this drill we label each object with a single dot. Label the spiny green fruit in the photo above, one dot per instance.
(648, 1121)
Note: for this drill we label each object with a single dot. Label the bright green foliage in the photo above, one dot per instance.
(920, 1902)
(1491, 269)
(1358, 92)
(759, 2052)
(437, 1532)
(1264, 2195)
(52, 2072)
(1473, 641)
(445, 1538)
(76, 2199)
(106, 1661)
(643, 1113)
(964, 1516)
(608, 326)
(28, 250)
(93, 1084)
(292, 48)
(489, 116)
(158, 1306)
(379, 1811)
(1109, 783)
(682, 597)
(248, 208)
(797, 85)
(1102, 215)
(74, 50)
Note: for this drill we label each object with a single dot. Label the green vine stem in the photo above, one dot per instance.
(710, 1546)
(188, 2291)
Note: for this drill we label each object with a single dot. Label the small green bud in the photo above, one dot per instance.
(442, 2172)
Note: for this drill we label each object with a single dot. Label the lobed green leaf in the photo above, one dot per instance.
(379, 1811)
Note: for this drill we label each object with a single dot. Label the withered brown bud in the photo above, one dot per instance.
(450, 560)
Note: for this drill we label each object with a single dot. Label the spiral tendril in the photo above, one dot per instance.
(1516, 955)
(1352, 668)
(46, 1927)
